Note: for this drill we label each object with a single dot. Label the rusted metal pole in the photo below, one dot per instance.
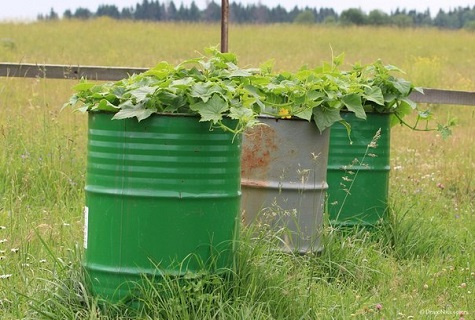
(224, 25)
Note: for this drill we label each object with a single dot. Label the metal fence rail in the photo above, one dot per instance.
(55, 71)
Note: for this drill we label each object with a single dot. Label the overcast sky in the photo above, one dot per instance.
(29, 9)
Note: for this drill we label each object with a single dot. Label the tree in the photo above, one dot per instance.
(127, 13)
(52, 15)
(148, 10)
(194, 12)
(468, 16)
(260, 13)
(378, 18)
(82, 13)
(402, 20)
(326, 15)
(182, 13)
(421, 19)
(305, 17)
(445, 20)
(353, 16)
(294, 13)
(67, 14)
(278, 14)
(212, 12)
(330, 20)
(108, 10)
(171, 12)
(470, 25)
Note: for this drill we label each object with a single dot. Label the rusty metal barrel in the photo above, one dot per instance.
(283, 180)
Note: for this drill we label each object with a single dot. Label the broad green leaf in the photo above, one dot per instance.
(353, 103)
(182, 83)
(144, 114)
(304, 113)
(212, 110)
(315, 95)
(394, 120)
(105, 105)
(325, 117)
(403, 109)
(418, 89)
(227, 57)
(130, 113)
(168, 99)
(240, 73)
(72, 101)
(390, 67)
(403, 86)
(424, 115)
(142, 92)
(241, 114)
(246, 117)
(204, 91)
(117, 92)
(409, 102)
(374, 94)
(127, 104)
(83, 109)
(83, 86)
(444, 131)
(161, 70)
(267, 66)
(338, 60)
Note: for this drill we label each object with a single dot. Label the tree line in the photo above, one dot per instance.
(154, 10)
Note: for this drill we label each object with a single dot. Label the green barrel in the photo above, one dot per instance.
(358, 173)
(162, 198)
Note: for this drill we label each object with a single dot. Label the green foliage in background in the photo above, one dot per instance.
(455, 18)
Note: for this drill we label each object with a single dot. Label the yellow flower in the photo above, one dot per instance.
(284, 113)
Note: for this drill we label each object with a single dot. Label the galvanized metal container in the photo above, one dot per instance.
(283, 180)
(358, 173)
(162, 198)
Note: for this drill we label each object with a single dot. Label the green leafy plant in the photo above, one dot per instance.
(320, 94)
(316, 94)
(384, 92)
(213, 87)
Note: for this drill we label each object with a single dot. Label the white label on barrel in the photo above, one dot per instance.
(86, 218)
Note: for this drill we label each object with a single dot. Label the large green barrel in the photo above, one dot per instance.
(162, 198)
(284, 168)
(358, 173)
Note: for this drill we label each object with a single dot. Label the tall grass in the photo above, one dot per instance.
(438, 58)
(419, 265)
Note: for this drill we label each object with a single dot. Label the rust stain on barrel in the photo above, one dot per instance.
(257, 151)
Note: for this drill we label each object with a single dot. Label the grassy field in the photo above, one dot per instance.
(421, 266)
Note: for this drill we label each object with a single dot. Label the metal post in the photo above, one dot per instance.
(224, 25)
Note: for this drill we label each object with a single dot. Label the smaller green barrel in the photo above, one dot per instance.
(358, 172)
(162, 198)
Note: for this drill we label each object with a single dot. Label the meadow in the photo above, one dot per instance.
(421, 265)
